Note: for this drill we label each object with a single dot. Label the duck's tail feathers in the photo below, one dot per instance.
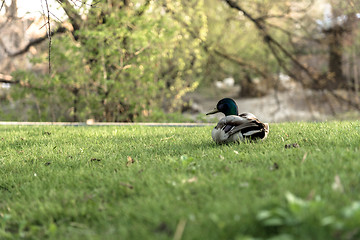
(266, 127)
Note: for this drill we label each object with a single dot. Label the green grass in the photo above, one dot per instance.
(172, 182)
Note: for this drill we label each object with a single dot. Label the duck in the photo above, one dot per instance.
(235, 127)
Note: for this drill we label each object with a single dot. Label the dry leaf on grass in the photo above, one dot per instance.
(95, 160)
(337, 186)
(292, 145)
(304, 158)
(274, 167)
(130, 161)
(126, 185)
(190, 180)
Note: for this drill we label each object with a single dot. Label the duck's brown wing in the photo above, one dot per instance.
(229, 122)
(253, 129)
(246, 123)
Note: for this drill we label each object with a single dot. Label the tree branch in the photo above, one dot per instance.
(35, 42)
(6, 79)
(74, 17)
(240, 62)
(2, 4)
(269, 40)
(48, 28)
(10, 80)
(234, 5)
(218, 52)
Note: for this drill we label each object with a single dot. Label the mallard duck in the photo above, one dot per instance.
(235, 127)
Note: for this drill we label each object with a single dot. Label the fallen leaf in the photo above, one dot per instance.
(311, 195)
(337, 186)
(180, 229)
(244, 184)
(190, 180)
(167, 138)
(236, 161)
(163, 227)
(130, 161)
(285, 133)
(292, 145)
(304, 157)
(126, 185)
(274, 167)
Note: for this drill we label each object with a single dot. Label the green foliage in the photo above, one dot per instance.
(139, 182)
(126, 63)
(135, 62)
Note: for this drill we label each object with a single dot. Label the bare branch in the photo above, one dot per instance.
(241, 62)
(263, 18)
(56, 17)
(48, 28)
(290, 33)
(218, 52)
(10, 80)
(269, 40)
(6, 79)
(35, 42)
(234, 5)
(2, 5)
(74, 17)
(95, 3)
(353, 5)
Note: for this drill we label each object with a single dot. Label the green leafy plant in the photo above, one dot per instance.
(125, 63)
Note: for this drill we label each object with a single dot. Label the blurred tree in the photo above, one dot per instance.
(122, 61)
(289, 29)
(341, 24)
(128, 60)
(10, 10)
(239, 42)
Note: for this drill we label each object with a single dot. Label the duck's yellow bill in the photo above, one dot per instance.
(213, 111)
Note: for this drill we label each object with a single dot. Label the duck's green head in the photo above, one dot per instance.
(227, 106)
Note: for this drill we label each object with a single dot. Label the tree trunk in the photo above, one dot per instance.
(11, 11)
(336, 75)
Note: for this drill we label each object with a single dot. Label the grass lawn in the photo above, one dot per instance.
(138, 182)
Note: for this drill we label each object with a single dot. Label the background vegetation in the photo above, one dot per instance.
(122, 60)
